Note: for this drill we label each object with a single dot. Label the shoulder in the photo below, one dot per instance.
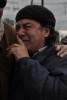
(53, 60)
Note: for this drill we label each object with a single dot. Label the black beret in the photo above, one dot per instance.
(3, 3)
(38, 13)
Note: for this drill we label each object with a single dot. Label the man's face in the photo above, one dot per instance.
(32, 34)
(1, 12)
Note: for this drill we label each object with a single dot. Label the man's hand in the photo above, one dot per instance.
(61, 50)
(19, 50)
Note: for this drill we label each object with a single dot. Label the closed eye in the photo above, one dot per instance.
(27, 27)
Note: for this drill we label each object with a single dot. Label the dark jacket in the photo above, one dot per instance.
(6, 63)
(42, 77)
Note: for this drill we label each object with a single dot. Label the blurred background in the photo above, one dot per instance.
(58, 7)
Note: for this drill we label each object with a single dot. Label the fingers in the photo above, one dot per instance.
(62, 50)
(18, 50)
(10, 52)
(12, 49)
(20, 41)
(14, 45)
(62, 54)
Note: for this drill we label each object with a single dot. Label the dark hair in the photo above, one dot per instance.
(64, 40)
(3, 3)
(51, 39)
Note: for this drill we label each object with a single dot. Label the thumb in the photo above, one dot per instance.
(20, 41)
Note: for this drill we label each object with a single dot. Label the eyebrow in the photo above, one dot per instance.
(25, 23)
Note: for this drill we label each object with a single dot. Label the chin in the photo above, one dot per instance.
(28, 47)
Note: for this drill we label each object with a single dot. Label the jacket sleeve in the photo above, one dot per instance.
(39, 82)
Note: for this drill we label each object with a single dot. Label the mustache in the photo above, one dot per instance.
(23, 38)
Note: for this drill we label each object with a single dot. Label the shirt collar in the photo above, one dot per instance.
(40, 50)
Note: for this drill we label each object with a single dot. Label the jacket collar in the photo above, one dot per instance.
(41, 56)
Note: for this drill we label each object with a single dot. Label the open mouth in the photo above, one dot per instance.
(26, 41)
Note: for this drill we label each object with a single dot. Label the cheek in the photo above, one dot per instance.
(35, 36)
(36, 40)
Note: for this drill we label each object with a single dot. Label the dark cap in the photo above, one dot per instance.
(3, 3)
(38, 13)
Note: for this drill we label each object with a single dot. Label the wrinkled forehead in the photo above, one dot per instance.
(28, 21)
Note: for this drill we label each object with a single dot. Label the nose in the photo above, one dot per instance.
(21, 31)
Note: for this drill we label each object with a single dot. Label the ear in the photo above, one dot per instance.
(46, 31)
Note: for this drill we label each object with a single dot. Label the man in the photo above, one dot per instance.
(6, 63)
(39, 73)
(7, 37)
